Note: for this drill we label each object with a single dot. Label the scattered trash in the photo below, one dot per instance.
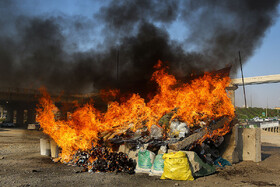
(162, 150)
(101, 159)
(176, 166)
(198, 167)
(179, 129)
(221, 162)
(219, 141)
(156, 132)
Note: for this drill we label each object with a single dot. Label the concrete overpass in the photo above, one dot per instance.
(251, 81)
(257, 80)
(20, 103)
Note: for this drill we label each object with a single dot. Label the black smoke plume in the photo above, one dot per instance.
(119, 45)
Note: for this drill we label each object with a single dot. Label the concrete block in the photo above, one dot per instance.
(45, 147)
(250, 147)
(229, 148)
(54, 149)
(33, 126)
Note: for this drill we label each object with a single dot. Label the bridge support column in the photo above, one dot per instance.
(231, 92)
(1, 112)
(19, 117)
(31, 115)
(10, 114)
(232, 96)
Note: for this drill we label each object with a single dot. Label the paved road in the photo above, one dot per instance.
(22, 165)
(271, 137)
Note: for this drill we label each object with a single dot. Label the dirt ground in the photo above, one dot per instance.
(22, 165)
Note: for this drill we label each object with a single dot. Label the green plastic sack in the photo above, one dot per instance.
(176, 166)
(157, 168)
(158, 163)
(145, 159)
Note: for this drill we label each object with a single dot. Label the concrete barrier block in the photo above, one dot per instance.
(45, 148)
(250, 146)
(54, 149)
(33, 126)
(229, 148)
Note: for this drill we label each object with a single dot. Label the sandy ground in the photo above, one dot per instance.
(22, 165)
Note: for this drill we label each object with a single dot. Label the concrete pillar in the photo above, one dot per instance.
(31, 115)
(231, 90)
(54, 149)
(231, 94)
(1, 112)
(250, 144)
(10, 114)
(19, 118)
(232, 97)
(45, 148)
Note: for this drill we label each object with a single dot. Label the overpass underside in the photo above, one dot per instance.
(19, 105)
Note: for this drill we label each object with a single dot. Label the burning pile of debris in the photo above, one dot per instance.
(180, 117)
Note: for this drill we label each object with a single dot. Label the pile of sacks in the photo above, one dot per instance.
(181, 165)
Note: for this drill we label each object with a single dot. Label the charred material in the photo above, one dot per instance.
(101, 159)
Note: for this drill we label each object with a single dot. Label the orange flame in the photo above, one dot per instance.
(201, 100)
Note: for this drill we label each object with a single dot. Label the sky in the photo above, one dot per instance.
(264, 61)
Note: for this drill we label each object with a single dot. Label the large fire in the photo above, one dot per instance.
(196, 103)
